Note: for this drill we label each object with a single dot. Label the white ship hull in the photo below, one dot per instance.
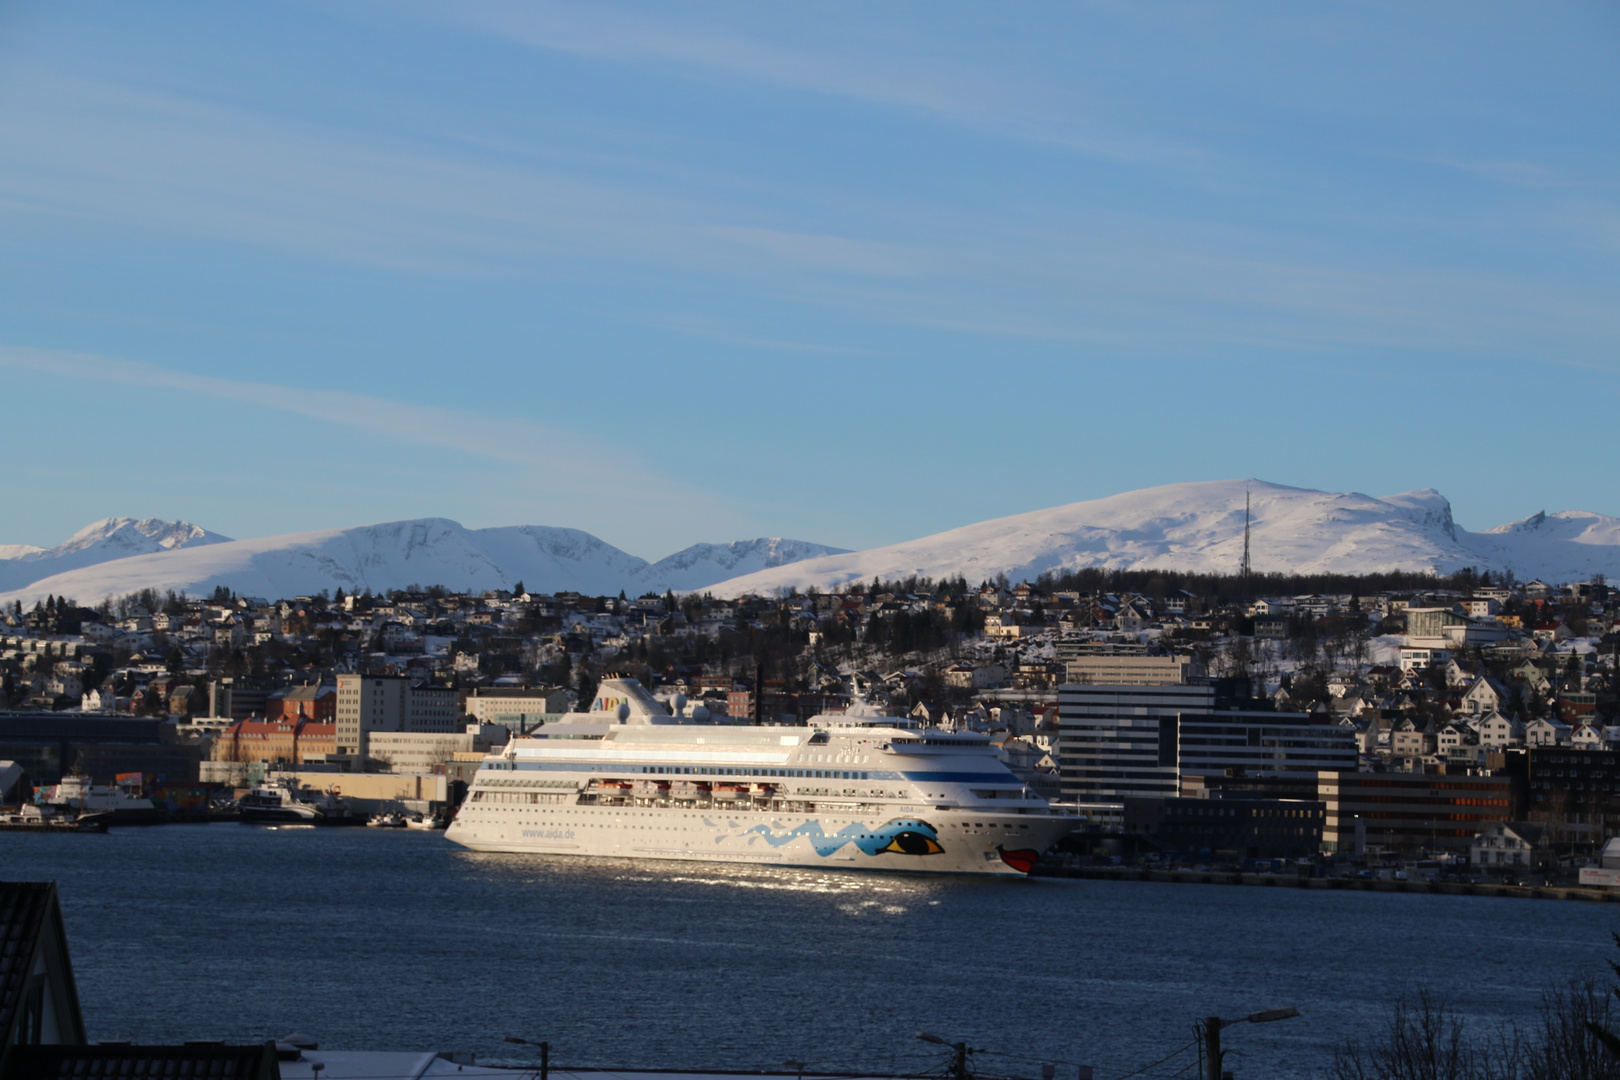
(967, 843)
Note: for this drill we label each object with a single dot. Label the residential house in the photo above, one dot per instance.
(1497, 732)
(1588, 737)
(1511, 845)
(1484, 695)
(1408, 740)
(1544, 732)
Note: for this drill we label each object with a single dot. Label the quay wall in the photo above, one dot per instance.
(1280, 881)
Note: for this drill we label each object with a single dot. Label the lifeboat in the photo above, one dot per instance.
(652, 789)
(731, 791)
(689, 790)
(617, 789)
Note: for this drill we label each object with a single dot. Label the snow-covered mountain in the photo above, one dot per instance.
(1199, 526)
(701, 565)
(425, 551)
(1193, 526)
(99, 542)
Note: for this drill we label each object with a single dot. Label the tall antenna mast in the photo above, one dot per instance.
(1244, 568)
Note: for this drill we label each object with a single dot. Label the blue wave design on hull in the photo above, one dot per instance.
(905, 836)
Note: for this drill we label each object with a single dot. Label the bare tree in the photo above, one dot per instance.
(1426, 1039)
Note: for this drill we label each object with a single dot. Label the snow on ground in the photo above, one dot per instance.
(1385, 649)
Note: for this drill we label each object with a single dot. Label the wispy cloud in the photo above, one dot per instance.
(893, 69)
(563, 461)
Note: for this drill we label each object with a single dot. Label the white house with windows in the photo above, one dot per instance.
(1588, 737)
(1510, 845)
(1484, 695)
(1545, 732)
(1497, 732)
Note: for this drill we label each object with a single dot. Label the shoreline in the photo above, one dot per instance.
(1230, 877)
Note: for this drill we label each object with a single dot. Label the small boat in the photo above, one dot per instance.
(43, 819)
(386, 821)
(77, 796)
(281, 802)
(426, 821)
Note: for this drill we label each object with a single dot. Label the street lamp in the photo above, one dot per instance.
(545, 1053)
(1212, 1034)
(959, 1054)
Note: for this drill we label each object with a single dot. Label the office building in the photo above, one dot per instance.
(1140, 741)
(518, 708)
(1246, 828)
(1409, 811)
(367, 703)
(1123, 670)
(1118, 741)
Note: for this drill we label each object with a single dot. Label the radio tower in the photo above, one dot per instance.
(1244, 568)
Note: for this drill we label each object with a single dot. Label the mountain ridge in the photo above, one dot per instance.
(388, 555)
(99, 542)
(1199, 526)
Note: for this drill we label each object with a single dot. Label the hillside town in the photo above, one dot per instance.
(1489, 703)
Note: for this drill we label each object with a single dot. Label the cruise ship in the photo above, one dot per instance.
(858, 790)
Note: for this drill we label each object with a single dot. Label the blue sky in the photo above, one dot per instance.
(844, 272)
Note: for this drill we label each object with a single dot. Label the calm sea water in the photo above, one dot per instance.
(372, 939)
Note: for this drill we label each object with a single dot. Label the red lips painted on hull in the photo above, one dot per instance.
(1022, 860)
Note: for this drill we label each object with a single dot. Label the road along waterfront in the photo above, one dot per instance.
(395, 939)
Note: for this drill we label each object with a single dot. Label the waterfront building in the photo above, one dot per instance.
(431, 751)
(1246, 828)
(51, 745)
(1575, 790)
(1145, 741)
(1118, 741)
(1511, 845)
(287, 742)
(1409, 811)
(1238, 742)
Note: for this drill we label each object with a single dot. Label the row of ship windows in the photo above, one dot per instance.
(529, 797)
(802, 774)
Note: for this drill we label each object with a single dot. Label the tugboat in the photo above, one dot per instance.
(283, 803)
